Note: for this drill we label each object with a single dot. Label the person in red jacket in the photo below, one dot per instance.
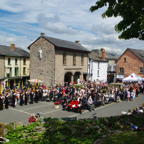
(32, 118)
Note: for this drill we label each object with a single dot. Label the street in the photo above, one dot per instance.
(22, 113)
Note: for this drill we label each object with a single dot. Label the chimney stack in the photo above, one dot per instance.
(77, 41)
(13, 46)
(42, 34)
(103, 53)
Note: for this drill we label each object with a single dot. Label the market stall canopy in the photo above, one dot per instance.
(35, 80)
(132, 77)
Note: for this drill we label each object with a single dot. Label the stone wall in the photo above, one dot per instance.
(61, 69)
(132, 64)
(42, 68)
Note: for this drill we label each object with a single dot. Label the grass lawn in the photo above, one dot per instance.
(133, 137)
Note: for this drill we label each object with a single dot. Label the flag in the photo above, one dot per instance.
(2, 88)
(34, 86)
(14, 86)
(37, 85)
(131, 76)
(7, 85)
(22, 86)
(27, 84)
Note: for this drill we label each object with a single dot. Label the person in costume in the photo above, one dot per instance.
(26, 97)
(1, 102)
(6, 100)
(13, 98)
(21, 98)
(31, 97)
(36, 96)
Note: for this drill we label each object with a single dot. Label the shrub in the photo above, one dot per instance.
(9, 127)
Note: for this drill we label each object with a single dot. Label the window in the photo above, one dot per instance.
(121, 70)
(9, 74)
(98, 65)
(124, 59)
(15, 61)
(24, 70)
(64, 58)
(16, 71)
(82, 59)
(74, 59)
(98, 73)
(141, 69)
(9, 61)
(24, 61)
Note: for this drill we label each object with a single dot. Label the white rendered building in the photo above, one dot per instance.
(97, 67)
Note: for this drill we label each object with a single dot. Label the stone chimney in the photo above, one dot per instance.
(42, 34)
(103, 53)
(13, 46)
(77, 41)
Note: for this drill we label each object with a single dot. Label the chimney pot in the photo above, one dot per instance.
(77, 41)
(13, 46)
(42, 34)
(103, 53)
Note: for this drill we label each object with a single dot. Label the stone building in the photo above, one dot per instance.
(57, 61)
(131, 61)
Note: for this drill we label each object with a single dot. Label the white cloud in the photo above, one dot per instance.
(23, 21)
(54, 24)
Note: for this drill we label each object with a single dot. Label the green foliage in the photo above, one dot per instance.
(59, 132)
(125, 138)
(9, 127)
(131, 12)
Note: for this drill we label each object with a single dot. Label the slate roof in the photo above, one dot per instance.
(66, 44)
(93, 55)
(6, 51)
(108, 55)
(138, 53)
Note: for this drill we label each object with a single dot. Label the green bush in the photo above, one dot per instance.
(9, 127)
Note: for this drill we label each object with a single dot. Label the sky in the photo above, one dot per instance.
(21, 22)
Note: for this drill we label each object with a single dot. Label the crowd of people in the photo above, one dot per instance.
(72, 98)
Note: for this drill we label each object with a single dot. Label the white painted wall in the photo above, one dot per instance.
(93, 69)
(12, 65)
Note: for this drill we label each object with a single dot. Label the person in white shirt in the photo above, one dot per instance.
(90, 103)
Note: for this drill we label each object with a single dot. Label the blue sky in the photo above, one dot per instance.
(21, 22)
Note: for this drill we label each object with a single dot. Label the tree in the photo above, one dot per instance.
(132, 13)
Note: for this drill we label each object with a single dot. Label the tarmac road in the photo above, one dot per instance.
(22, 113)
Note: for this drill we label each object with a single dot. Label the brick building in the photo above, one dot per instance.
(55, 61)
(131, 61)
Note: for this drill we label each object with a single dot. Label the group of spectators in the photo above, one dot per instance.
(75, 98)
(135, 110)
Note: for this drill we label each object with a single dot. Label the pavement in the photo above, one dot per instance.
(22, 113)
